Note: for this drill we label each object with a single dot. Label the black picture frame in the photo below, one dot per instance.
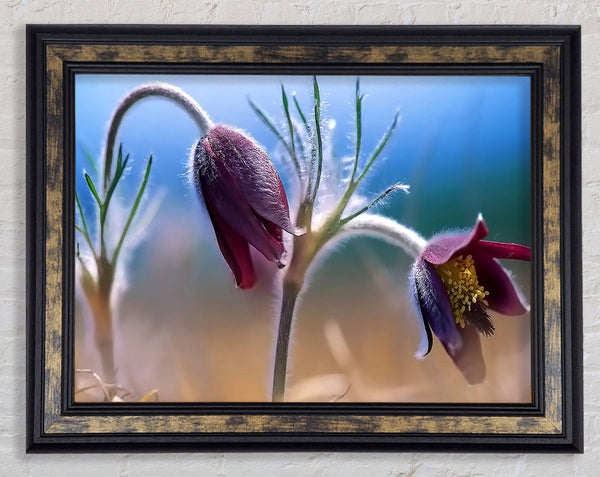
(550, 55)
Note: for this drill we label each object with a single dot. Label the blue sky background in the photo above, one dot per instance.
(463, 143)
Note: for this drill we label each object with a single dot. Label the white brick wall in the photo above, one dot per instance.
(14, 14)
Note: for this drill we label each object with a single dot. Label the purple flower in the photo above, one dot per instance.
(244, 197)
(455, 281)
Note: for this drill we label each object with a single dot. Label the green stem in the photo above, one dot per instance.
(293, 282)
(99, 295)
(306, 248)
(288, 303)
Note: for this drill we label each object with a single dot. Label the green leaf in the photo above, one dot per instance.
(284, 99)
(81, 231)
(374, 202)
(85, 232)
(86, 271)
(120, 157)
(382, 143)
(92, 188)
(319, 155)
(302, 116)
(107, 177)
(86, 237)
(265, 119)
(120, 168)
(358, 101)
(292, 133)
(134, 209)
(306, 128)
(81, 214)
(90, 159)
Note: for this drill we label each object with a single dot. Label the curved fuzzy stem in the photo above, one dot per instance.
(306, 249)
(100, 299)
(164, 90)
(387, 229)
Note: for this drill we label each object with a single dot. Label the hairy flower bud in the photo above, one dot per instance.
(245, 199)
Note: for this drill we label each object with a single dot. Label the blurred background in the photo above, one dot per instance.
(181, 327)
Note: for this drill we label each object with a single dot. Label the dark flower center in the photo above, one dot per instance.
(480, 319)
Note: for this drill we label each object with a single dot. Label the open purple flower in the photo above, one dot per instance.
(245, 199)
(455, 281)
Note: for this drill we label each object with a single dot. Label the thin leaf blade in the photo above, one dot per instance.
(120, 168)
(319, 139)
(267, 122)
(375, 201)
(286, 110)
(133, 211)
(301, 114)
(358, 108)
(380, 146)
(90, 159)
(93, 190)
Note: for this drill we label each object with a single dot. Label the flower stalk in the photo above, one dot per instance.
(288, 302)
(164, 90)
(99, 289)
(306, 247)
(340, 222)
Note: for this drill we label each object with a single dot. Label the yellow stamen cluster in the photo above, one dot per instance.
(460, 279)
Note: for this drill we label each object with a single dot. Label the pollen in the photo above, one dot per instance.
(464, 291)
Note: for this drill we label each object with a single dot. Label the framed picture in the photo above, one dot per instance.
(292, 238)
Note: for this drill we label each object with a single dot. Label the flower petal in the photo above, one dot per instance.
(504, 296)
(253, 171)
(434, 304)
(512, 251)
(235, 251)
(221, 191)
(274, 230)
(468, 357)
(443, 247)
(426, 338)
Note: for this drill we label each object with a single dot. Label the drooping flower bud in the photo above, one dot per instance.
(245, 199)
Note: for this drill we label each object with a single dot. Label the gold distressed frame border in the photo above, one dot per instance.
(56, 423)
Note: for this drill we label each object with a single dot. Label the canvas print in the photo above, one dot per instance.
(302, 238)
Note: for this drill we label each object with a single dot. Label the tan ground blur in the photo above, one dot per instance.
(184, 330)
